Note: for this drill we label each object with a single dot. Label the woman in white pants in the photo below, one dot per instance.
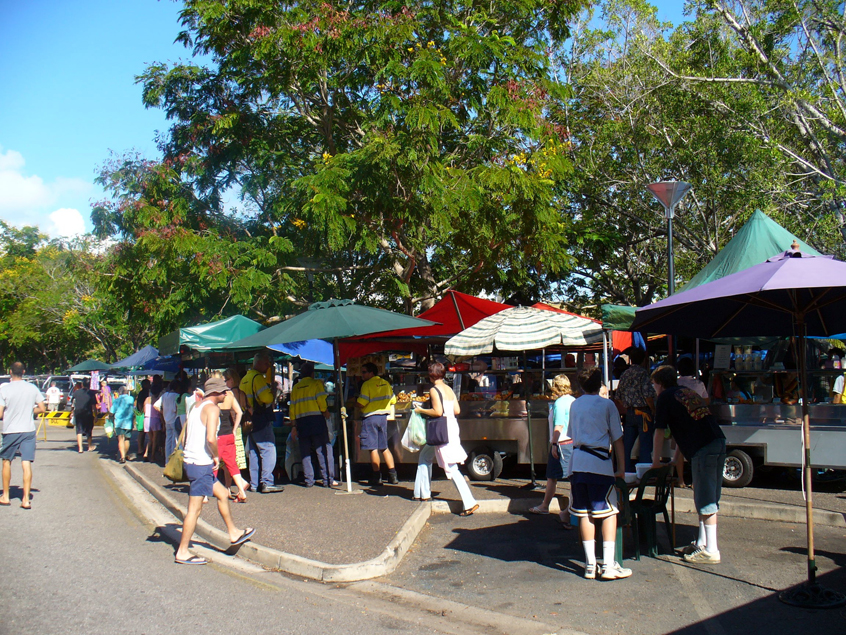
(448, 455)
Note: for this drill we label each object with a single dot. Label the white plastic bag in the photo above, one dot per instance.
(407, 441)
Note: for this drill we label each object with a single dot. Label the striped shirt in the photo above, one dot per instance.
(308, 398)
(376, 397)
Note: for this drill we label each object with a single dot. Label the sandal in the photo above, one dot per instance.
(469, 512)
(538, 510)
(191, 560)
(248, 533)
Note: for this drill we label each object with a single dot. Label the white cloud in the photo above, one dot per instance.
(27, 199)
(67, 223)
(11, 160)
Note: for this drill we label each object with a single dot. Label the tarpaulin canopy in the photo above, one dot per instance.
(617, 317)
(138, 359)
(454, 312)
(89, 365)
(214, 336)
(760, 238)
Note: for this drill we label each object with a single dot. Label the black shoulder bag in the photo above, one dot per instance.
(436, 427)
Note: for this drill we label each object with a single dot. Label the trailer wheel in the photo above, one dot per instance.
(483, 464)
(738, 469)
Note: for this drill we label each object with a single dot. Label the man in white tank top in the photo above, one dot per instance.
(201, 461)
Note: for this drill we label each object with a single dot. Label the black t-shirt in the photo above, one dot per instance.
(688, 417)
(83, 401)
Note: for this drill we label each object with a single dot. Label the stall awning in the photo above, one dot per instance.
(214, 336)
(455, 312)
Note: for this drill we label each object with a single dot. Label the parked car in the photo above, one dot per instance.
(63, 383)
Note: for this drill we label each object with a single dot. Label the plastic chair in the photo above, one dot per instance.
(646, 510)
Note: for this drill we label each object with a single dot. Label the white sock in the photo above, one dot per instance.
(608, 552)
(590, 551)
(711, 538)
(701, 540)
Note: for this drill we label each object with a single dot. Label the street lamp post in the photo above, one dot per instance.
(669, 193)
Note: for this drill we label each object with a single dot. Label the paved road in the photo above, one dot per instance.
(81, 562)
(528, 566)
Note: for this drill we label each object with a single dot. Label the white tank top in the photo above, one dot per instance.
(196, 450)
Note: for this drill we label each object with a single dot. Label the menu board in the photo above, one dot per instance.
(722, 356)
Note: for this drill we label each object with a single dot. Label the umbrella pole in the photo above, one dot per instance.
(811, 594)
(534, 484)
(342, 413)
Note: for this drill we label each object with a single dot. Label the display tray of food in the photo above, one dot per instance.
(406, 398)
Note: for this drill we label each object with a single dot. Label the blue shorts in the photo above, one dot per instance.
(15, 442)
(592, 495)
(557, 468)
(374, 432)
(706, 468)
(123, 432)
(200, 479)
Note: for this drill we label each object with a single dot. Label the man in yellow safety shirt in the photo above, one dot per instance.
(375, 400)
(260, 399)
(309, 413)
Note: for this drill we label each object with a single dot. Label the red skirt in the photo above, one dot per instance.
(226, 449)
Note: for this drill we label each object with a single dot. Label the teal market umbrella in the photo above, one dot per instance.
(331, 320)
(89, 365)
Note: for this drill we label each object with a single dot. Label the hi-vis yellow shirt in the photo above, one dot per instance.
(308, 398)
(376, 397)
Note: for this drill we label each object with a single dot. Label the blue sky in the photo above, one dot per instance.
(68, 97)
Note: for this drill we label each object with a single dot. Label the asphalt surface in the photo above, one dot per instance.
(82, 562)
(527, 566)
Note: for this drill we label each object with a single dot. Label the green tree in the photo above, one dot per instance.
(414, 141)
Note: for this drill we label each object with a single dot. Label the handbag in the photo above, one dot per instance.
(139, 420)
(175, 468)
(436, 427)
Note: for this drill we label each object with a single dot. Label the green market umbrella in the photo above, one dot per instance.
(89, 365)
(331, 320)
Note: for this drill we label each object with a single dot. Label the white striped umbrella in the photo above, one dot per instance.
(523, 329)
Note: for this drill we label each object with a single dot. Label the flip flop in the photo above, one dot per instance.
(248, 533)
(469, 512)
(5, 504)
(538, 510)
(191, 560)
(26, 506)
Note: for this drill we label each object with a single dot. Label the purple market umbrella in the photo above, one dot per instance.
(791, 294)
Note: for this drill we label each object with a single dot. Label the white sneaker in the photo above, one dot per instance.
(700, 556)
(615, 572)
(691, 548)
(590, 571)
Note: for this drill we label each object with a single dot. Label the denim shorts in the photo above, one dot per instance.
(557, 468)
(592, 495)
(374, 432)
(14, 442)
(707, 465)
(200, 479)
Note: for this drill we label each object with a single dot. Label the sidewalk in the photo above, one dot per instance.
(331, 535)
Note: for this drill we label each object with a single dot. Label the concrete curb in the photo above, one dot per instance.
(381, 565)
(764, 511)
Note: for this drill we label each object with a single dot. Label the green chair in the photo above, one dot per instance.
(624, 517)
(645, 510)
